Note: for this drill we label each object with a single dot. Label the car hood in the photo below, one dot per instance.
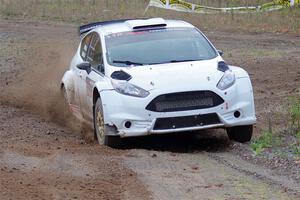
(174, 77)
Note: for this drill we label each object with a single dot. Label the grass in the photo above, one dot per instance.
(285, 21)
(80, 11)
(83, 11)
(270, 140)
(298, 135)
(294, 111)
(265, 140)
(229, 3)
(296, 150)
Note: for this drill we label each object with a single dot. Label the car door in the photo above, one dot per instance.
(95, 58)
(81, 74)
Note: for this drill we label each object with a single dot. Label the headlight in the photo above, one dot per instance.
(227, 80)
(126, 88)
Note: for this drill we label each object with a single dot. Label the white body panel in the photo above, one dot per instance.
(157, 80)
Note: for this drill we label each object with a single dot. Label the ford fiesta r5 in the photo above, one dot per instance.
(152, 76)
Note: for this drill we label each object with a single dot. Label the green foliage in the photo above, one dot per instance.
(294, 112)
(266, 140)
(296, 150)
(298, 135)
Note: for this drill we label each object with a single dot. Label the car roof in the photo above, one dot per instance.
(123, 26)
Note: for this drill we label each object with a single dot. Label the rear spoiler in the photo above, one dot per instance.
(86, 28)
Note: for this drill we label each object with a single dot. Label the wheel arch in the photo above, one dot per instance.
(67, 83)
(239, 72)
(111, 129)
(105, 99)
(67, 80)
(100, 87)
(96, 95)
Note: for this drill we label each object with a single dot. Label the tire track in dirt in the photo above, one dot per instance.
(198, 176)
(259, 173)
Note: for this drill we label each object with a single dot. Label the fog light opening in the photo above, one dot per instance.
(237, 114)
(127, 124)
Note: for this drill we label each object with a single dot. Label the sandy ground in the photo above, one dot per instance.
(43, 154)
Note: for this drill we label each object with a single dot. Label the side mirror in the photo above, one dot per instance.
(85, 66)
(221, 52)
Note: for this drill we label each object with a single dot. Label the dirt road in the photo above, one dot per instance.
(43, 154)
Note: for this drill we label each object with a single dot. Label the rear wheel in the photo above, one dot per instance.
(67, 96)
(65, 104)
(64, 94)
(240, 133)
(104, 133)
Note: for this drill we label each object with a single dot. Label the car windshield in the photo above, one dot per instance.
(157, 47)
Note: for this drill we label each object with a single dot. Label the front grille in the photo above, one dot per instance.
(183, 101)
(186, 121)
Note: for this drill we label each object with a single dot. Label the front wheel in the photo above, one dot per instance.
(104, 133)
(240, 134)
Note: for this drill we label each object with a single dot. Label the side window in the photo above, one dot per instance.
(95, 53)
(84, 46)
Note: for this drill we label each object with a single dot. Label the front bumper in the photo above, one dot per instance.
(119, 109)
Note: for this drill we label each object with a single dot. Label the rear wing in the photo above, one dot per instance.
(134, 24)
(86, 28)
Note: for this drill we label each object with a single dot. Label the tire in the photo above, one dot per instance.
(68, 99)
(64, 94)
(103, 132)
(240, 134)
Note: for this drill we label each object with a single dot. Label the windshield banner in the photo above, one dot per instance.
(184, 6)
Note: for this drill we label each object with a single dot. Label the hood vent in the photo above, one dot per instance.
(120, 75)
(222, 66)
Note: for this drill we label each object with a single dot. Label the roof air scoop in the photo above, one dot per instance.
(146, 23)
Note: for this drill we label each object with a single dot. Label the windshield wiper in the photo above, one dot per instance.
(176, 61)
(127, 62)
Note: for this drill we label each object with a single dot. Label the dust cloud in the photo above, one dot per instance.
(37, 87)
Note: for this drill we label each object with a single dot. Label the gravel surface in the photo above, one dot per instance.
(45, 155)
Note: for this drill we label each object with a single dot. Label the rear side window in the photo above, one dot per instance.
(85, 46)
(95, 53)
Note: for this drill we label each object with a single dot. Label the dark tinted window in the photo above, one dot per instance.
(95, 52)
(85, 46)
(158, 46)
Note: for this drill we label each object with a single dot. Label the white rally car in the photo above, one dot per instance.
(152, 76)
